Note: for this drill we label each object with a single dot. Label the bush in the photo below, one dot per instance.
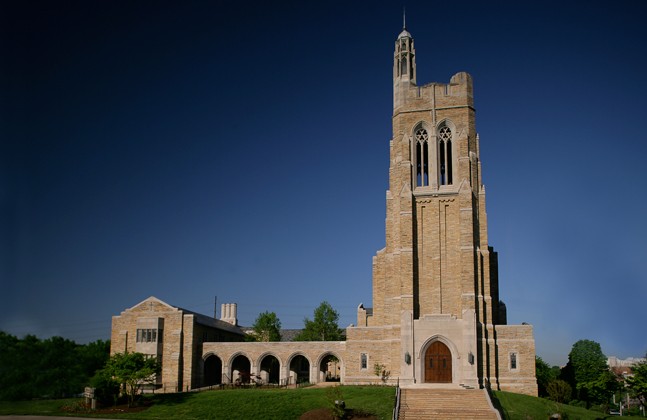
(106, 390)
(559, 391)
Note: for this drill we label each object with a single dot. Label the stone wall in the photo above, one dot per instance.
(515, 340)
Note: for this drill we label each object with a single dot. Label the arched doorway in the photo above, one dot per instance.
(438, 363)
(240, 370)
(270, 370)
(300, 369)
(212, 370)
(330, 368)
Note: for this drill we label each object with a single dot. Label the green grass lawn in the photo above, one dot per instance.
(34, 408)
(292, 403)
(522, 407)
(234, 404)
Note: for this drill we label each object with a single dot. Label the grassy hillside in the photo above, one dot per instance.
(523, 407)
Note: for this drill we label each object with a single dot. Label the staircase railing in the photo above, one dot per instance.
(396, 408)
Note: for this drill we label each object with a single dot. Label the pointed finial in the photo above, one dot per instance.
(404, 17)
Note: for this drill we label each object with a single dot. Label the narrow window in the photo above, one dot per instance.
(363, 361)
(160, 335)
(418, 163)
(513, 361)
(154, 338)
(449, 162)
(445, 156)
(442, 161)
(403, 63)
(422, 157)
(425, 168)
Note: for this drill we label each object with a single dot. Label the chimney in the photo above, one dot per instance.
(228, 313)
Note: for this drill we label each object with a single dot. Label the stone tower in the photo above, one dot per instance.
(436, 307)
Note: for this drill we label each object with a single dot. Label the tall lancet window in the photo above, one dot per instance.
(403, 57)
(422, 157)
(444, 155)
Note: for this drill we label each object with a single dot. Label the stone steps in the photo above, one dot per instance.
(422, 404)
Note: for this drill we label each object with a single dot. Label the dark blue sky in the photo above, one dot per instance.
(240, 149)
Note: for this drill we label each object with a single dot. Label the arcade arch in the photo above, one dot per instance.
(212, 372)
(240, 369)
(299, 369)
(330, 368)
(270, 369)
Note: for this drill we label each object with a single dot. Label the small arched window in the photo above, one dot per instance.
(445, 155)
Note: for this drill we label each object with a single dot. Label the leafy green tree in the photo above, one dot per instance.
(132, 370)
(545, 375)
(93, 356)
(55, 367)
(267, 327)
(61, 373)
(638, 382)
(323, 327)
(11, 379)
(584, 370)
(600, 389)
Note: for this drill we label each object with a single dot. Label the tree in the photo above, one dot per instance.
(55, 367)
(584, 370)
(132, 370)
(638, 382)
(93, 356)
(323, 327)
(380, 371)
(267, 327)
(545, 375)
(600, 389)
(62, 373)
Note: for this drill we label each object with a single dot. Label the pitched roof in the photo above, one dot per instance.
(199, 318)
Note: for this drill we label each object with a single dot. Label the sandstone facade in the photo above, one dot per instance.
(173, 335)
(436, 314)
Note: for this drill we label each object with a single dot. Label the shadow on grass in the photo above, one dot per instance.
(497, 405)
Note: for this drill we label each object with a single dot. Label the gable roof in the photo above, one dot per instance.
(199, 318)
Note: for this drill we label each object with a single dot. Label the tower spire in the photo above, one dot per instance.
(404, 64)
(404, 18)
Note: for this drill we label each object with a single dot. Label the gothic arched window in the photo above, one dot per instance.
(444, 155)
(421, 137)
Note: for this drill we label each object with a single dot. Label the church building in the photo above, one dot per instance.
(436, 316)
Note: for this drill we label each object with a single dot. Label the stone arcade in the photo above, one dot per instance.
(436, 315)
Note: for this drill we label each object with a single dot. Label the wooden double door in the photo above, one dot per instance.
(438, 363)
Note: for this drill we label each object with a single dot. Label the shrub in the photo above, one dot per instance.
(559, 391)
(106, 390)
